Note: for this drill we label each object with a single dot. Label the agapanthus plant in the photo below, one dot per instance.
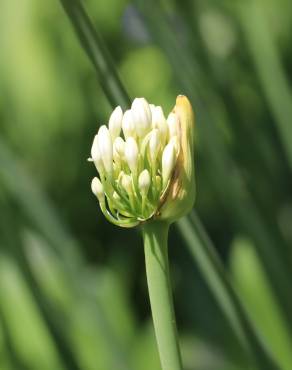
(146, 177)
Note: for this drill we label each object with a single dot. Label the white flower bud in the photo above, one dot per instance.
(154, 144)
(96, 156)
(97, 189)
(127, 183)
(152, 108)
(131, 154)
(106, 148)
(94, 149)
(119, 147)
(144, 182)
(168, 162)
(141, 113)
(175, 143)
(159, 121)
(115, 123)
(128, 125)
(172, 122)
(119, 150)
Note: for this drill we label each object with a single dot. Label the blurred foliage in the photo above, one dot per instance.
(72, 287)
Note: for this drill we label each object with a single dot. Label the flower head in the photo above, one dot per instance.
(145, 163)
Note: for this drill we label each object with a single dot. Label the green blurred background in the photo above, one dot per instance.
(73, 292)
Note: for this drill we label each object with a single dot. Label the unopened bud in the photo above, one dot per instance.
(106, 148)
(127, 183)
(144, 182)
(119, 147)
(154, 144)
(131, 154)
(97, 189)
(152, 108)
(115, 122)
(168, 162)
(172, 122)
(94, 149)
(159, 121)
(141, 113)
(175, 142)
(96, 156)
(128, 125)
(119, 150)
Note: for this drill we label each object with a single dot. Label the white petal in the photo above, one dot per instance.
(106, 148)
(172, 122)
(152, 108)
(119, 147)
(141, 113)
(175, 142)
(128, 124)
(115, 122)
(154, 143)
(127, 183)
(96, 156)
(131, 153)
(94, 149)
(168, 162)
(159, 121)
(144, 181)
(97, 188)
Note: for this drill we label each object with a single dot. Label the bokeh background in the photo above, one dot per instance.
(73, 292)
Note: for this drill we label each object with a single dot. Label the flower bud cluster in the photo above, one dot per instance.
(135, 156)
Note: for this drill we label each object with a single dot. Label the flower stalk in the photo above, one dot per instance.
(155, 235)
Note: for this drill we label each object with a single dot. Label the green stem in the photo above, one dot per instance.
(155, 236)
